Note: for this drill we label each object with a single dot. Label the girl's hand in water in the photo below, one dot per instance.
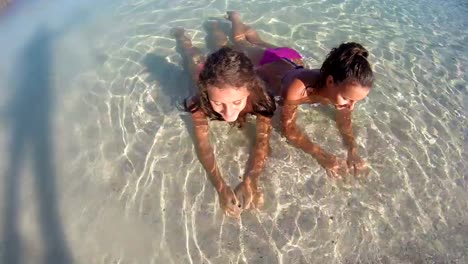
(249, 195)
(357, 165)
(335, 167)
(229, 202)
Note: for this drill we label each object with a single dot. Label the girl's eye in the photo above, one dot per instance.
(216, 103)
(237, 102)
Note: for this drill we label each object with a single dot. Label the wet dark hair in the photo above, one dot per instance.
(229, 67)
(346, 64)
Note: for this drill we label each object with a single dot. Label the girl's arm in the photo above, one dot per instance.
(205, 151)
(227, 199)
(247, 191)
(356, 164)
(343, 120)
(335, 167)
(260, 151)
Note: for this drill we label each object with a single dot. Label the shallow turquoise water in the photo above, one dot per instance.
(129, 187)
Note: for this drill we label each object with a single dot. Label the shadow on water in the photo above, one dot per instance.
(4, 5)
(31, 134)
(174, 82)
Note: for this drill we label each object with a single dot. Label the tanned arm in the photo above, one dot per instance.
(205, 151)
(357, 165)
(343, 120)
(227, 199)
(247, 191)
(260, 151)
(297, 138)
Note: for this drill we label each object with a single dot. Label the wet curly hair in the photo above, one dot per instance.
(230, 67)
(346, 64)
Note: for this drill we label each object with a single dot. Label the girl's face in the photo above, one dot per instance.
(228, 101)
(345, 95)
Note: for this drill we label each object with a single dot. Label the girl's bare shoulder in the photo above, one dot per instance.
(300, 82)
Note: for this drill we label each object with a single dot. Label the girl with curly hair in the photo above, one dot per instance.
(228, 89)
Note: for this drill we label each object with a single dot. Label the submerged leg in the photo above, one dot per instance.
(242, 31)
(192, 56)
(215, 36)
(241, 35)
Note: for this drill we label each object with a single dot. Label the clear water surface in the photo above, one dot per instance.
(98, 164)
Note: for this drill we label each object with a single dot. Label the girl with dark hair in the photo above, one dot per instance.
(345, 78)
(228, 89)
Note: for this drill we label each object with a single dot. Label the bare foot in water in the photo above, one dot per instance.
(183, 42)
(193, 57)
(177, 32)
(232, 16)
(241, 31)
(215, 35)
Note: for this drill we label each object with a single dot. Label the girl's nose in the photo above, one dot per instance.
(228, 111)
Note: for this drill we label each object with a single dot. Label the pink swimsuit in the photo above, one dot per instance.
(274, 54)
